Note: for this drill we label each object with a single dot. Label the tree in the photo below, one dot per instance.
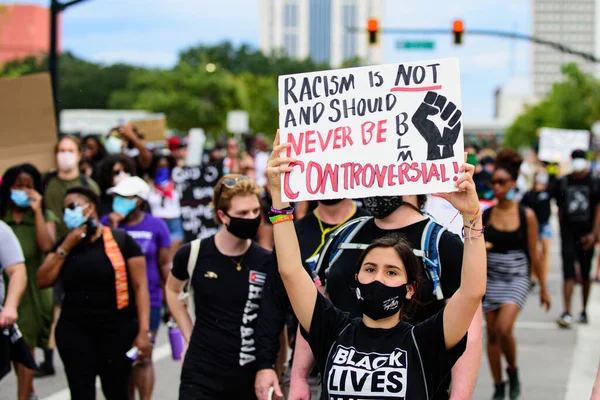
(572, 104)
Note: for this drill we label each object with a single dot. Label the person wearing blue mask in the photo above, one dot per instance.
(164, 198)
(106, 308)
(153, 237)
(22, 209)
(511, 234)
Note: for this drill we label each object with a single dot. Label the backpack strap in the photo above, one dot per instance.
(187, 297)
(338, 241)
(430, 241)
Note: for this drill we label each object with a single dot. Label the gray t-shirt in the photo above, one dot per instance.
(10, 254)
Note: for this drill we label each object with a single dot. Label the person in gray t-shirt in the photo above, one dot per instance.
(12, 264)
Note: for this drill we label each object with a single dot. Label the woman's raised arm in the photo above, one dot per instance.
(299, 286)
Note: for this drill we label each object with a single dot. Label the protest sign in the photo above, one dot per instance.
(153, 130)
(556, 145)
(28, 123)
(370, 131)
(196, 187)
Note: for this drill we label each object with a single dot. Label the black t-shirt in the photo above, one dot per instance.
(275, 303)
(539, 202)
(358, 362)
(340, 276)
(88, 278)
(576, 200)
(227, 305)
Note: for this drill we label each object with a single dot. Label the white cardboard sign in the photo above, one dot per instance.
(556, 145)
(371, 131)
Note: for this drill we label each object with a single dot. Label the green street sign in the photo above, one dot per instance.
(415, 45)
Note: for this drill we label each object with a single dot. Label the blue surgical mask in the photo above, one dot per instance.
(113, 145)
(123, 206)
(162, 175)
(20, 198)
(74, 218)
(511, 194)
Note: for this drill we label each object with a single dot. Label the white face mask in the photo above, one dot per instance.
(579, 164)
(66, 161)
(542, 178)
(113, 145)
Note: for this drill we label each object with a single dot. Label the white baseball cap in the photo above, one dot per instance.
(131, 186)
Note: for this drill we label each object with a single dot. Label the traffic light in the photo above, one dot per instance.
(373, 28)
(458, 28)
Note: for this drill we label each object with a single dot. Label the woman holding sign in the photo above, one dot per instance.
(380, 355)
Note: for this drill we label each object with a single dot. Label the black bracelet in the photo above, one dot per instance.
(289, 210)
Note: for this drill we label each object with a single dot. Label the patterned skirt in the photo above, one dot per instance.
(507, 279)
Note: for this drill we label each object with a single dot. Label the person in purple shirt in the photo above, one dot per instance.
(152, 235)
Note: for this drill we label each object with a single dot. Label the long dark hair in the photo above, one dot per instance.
(104, 175)
(156, 159)
(8, 180)
(412, 266)
(101, 150)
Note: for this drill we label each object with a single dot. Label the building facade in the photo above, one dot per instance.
(24, 31)
(572, 23)
(318, 29)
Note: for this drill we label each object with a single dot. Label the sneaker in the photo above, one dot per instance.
(45, 369)
(565, 320)
(514, 385)
(499, 391)
(583, 318)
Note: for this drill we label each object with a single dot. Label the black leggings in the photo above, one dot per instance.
(196, 385)
(87, 352)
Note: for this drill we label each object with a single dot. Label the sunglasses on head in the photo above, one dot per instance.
(231, 182)
(499, 181)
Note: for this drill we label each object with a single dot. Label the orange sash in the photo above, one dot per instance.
(116, 259)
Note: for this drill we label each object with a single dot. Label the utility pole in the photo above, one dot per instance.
(56, 8)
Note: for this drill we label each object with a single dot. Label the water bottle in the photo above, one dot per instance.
(176, 340)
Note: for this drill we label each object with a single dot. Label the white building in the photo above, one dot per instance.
(572, 23)
(317, 29)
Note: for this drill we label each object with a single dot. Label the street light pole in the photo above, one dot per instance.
(56, 8)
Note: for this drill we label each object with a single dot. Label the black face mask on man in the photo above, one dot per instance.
(244, 228)
(382, 206)
(330, 202)
(379, 301)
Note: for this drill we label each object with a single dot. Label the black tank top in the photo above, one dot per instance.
(504, 241)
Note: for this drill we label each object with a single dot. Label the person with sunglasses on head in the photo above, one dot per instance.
(55, 184)
(106, 308)
(512, 249)
(313, 230)
(379, 355)
(227, 279)
(22, 208)
(152, 235)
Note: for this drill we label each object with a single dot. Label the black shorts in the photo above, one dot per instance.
(572, 251)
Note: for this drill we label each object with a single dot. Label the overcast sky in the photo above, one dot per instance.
(151, 32)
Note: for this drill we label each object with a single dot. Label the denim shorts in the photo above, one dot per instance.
(175, 229)
(545, 230)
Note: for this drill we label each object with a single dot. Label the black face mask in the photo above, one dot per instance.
(380, 301)
(243, 228)
(330, 202)
(382, 206)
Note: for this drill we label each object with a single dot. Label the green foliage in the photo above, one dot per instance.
(190, 96)
(572, 104)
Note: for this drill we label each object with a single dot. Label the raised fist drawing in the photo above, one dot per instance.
(439, 145)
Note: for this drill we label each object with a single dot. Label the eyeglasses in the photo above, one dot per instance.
(230, 183)
(117, 172)
(499, 181)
